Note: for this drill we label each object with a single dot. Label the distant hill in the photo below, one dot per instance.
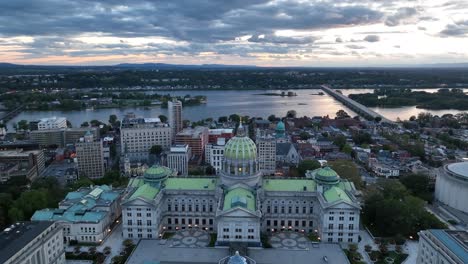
(180, 66)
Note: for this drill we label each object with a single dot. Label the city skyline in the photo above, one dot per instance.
(261, 32)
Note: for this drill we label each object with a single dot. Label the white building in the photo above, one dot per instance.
(138, 135)
(178, 159)
(90, 156)
(32, 243)
(266, 146)
(86, 214)
(452, 186)
(438, 246)
(52, 123)
(240, 203)
(383, 170)
(214, 154)
(175, 116)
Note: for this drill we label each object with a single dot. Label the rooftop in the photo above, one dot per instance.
(455, 241)
(460, 168)
(336, 194)
(193, 132)
(190, 184)
(239, 197)
(289, 185)
(145, 191)
(17, 236)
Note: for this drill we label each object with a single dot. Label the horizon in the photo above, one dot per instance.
(264, 33)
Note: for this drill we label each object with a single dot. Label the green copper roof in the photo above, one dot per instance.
(239, 197)
(327, 176)
(190, 184)
(157, 173)
(346, 185)
(135, 182)
(335, 194)
(145, 191)
(240, 148)
(288, 185)
(280, 126)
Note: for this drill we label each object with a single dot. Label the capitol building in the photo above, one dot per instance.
(240, 204)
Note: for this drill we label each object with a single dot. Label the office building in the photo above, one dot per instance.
(175, 116)
(32, 243)
(266, 145)
(214, 154)
(86, 214)
(61, 137)
(196, 138)
(52, 123)
(29, 163)
(90, 157)
(178, 159)
(214, 134)
(240, 203)
(438, 246)
(138, 135)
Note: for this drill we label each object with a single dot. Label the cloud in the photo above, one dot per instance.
(281, 39)
(372, 38)
(401, 16)
(457, 29)
(352, 46)
(339, 40)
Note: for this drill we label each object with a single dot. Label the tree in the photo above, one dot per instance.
(347, 169)
(23, 125)
(377, 119)
(341, 114)
(304, 135)
(418, 185)
(306, 165)
(222, 119)
(85, 124)
(234, 118)
(163, 118)
(272, 118)
(156, 150)
(347, 149)
(339, 141)
(69, 124)
(291, 114)
(112, 120)
(95, 123)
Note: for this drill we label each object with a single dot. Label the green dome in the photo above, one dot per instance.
(327, 176)
(157, 173)
(240, 148)
(280, 126)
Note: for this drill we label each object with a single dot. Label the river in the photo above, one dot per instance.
(224, 103)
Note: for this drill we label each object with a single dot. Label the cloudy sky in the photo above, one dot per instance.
(254, 32)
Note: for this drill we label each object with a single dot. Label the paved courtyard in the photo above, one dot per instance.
(191, 238)
(289, 240)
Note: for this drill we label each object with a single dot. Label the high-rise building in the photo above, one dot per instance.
(175, 116)
(32, 242)
(438, 246)
(138, 135)
(214, 153)
(196, 138)
(178, 159)
(90, 156)
(52, 123)
(61, 137)
(266, 146)
(29, 163)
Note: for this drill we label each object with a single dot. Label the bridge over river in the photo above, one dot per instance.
(355, 106)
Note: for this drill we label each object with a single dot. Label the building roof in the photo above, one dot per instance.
(157, 173)
(450, 240)
(335, 194)
(282, 149)
(326, 176)
(239, 197)
(190, 184)
(17, 236)
(145, 191)
(240, 148)
(289, 185)
(81, 205)
(460, 168)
